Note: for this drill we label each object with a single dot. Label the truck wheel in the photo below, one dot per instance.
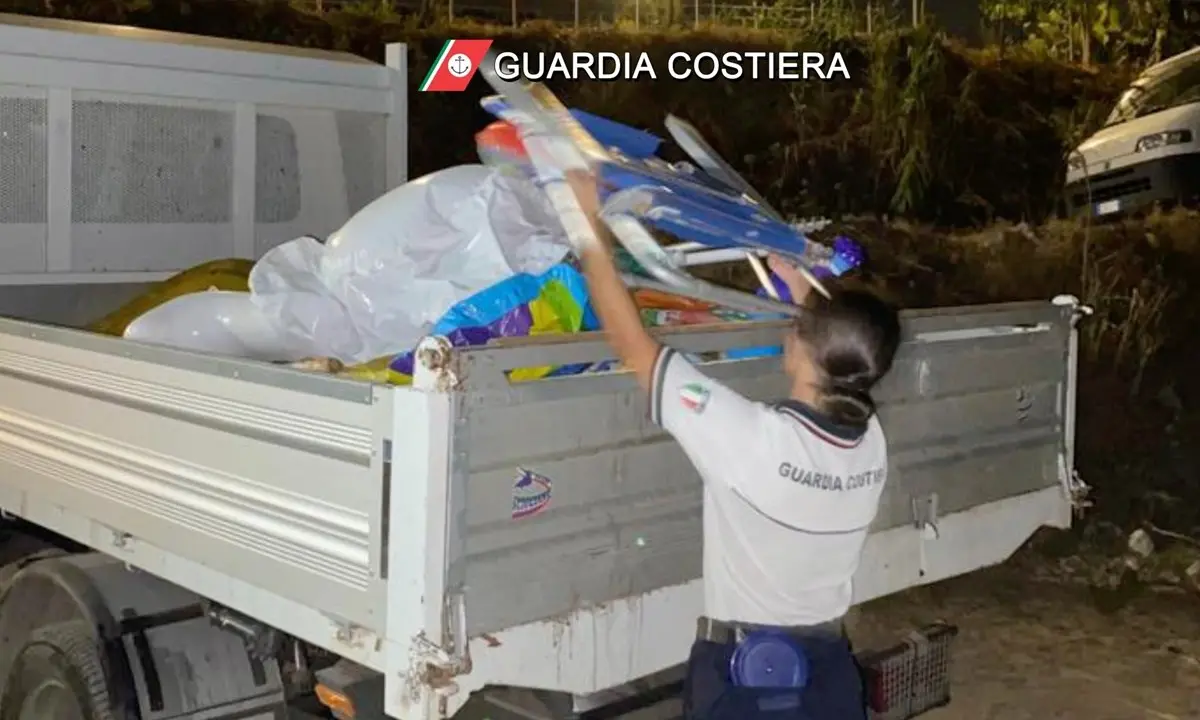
(58, 675)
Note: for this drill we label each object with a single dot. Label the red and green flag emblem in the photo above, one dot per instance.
(455, 65)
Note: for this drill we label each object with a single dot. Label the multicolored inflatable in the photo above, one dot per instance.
(554, 302)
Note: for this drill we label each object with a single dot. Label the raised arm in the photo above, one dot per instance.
(798, 287)
(614, 306)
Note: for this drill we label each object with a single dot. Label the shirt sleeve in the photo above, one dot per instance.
(714, 425)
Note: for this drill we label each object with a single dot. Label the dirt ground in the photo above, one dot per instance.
(1034, 646)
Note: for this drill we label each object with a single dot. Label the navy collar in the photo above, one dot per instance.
(820, 423)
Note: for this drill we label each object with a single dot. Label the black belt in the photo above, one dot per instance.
(726, 632)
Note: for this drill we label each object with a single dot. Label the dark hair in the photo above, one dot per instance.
(852, 338)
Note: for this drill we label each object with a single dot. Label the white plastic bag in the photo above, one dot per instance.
(287, 291)
(222, 322)
(382, 280)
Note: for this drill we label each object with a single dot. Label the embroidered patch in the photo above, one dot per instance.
(694, 397)
(530, 495)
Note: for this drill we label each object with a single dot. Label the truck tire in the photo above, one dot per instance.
(58, 675)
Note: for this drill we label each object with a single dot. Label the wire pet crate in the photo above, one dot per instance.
(910, 678)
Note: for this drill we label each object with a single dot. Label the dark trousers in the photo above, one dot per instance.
(834, 690)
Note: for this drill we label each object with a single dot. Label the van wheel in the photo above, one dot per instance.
(58, 675)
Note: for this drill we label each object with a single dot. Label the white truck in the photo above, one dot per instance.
(210, 532)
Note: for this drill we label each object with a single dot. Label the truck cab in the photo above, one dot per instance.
(140, 154)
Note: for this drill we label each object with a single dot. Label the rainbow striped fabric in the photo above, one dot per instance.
(554, 302)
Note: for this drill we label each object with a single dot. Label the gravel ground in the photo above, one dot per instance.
(1033, 645)
(1038, 648)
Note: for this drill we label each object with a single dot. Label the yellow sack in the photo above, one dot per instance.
(231, 274)
(377, 371)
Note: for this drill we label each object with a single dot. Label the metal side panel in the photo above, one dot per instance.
(267, 475)
(971, 410)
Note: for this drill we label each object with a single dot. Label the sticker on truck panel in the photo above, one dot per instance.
(531, 494)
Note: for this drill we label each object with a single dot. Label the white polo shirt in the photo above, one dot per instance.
(788, 497)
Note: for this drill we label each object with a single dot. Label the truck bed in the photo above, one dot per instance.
(380, 522)
(230, 472)
(973, 411)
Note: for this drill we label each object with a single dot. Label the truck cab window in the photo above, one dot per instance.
(145, 163)
(360, 134)
(276, 172)
(22, 160)
(141, 163)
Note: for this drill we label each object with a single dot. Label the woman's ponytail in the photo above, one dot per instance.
(853, 338)
(848, 402)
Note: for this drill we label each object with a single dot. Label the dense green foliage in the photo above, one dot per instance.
(923, 129)
(1090, 31)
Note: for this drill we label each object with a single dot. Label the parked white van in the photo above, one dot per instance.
(1149, 148)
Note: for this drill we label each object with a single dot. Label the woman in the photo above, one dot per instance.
(790, 491)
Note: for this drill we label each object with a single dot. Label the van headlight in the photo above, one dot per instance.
(1162, 139)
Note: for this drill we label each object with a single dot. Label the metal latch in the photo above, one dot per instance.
(434, 665)
(1078, 492)
(351, 635)
(925, 517)
(1078, 309)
